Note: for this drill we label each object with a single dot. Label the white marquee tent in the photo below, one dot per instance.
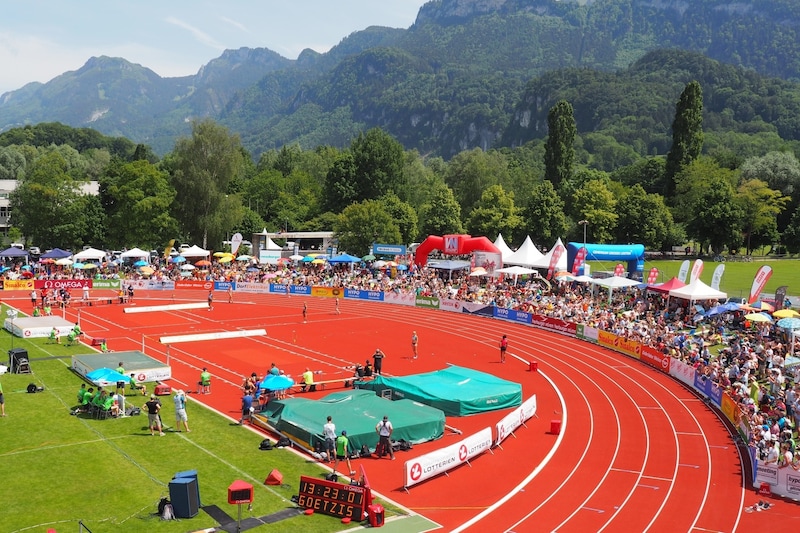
(697, 290)
(89, 254)
(195, 251)
(527, 255)
(135, 253)
(544, 262)
(505, 251)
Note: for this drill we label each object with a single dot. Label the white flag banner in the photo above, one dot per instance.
(697, 269)
(717, 277)
(236, 241)
(683, 271)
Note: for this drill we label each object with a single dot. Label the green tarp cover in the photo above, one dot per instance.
(456, 390)
(357, 412)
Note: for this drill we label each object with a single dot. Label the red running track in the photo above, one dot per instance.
(637, 451)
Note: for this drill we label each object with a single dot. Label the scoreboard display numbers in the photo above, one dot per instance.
(334, 499)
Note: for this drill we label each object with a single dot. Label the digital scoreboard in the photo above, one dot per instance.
(334, 499)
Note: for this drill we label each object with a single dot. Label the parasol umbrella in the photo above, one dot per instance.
(221, 254)
(273, 383)
(253, 269)
(296, 257)
(78, 265)
(26, 267)
(187, 267)
(478, 271)
(763, 306)
(226, 259)
(758, 317)
(244, 258)
(146, 270)
(308, 258)
(106, 376)
(379, 264)
(27, 274)
(64, 261)
(89, 266)
(178, 259)
(786, 313)
(140, 263)
(47, 261)
(203, 263)
(318, 261)
(402, 267)
(368, 257)
(789, 323)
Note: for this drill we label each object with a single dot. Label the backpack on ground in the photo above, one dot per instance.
(266, 444)
(365, 451)
(283, 442)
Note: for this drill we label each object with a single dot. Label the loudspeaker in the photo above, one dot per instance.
(183, 495)
(274, 478)
(193, 475)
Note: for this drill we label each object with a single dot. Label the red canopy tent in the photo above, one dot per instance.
(667, 286)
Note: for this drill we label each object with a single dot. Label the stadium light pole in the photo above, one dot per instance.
(584, 223)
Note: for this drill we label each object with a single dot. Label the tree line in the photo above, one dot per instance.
(209, 187)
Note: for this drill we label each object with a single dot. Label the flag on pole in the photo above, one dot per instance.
(697, 269)
(761, 278)
(683, 271)
(577, 263)
(168, 249)
(652, 276)
(236, 241)
(717, 276)
(557, 251)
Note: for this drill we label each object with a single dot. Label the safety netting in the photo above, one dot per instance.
(357, 412)
(456, 390)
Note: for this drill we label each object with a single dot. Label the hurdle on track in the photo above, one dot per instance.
(212, 336)
(168, 307)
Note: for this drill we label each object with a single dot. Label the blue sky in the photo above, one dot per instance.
(40, 39)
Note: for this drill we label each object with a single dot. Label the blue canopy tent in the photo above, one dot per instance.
(13, 252)
(56, 253)
(344, 258)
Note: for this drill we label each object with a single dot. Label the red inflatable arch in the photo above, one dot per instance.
(452, 245)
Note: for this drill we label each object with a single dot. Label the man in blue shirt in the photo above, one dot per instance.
(247, 406)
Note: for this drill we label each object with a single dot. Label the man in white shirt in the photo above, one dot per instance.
(384, 430)
(329, 432)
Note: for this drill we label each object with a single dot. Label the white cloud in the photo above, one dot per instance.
(198, 34)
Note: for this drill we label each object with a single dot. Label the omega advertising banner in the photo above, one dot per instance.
(440, 461)
(69, 284)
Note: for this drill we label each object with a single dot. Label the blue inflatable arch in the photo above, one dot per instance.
(632, 253)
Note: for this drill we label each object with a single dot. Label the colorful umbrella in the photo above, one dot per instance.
(178, 259)
(203, 263)
(187, 267)
(64, 261)
(789, 323)
(140, 263)
(758, 317)
(226, 259)
(78, 265)
(786, 313)
(764, 306)
(89, 266)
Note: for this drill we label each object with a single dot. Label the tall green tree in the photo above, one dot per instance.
(559, 150)
(441, 215)
(203, 167)
(760, 207)
(687, 134)
(472, 172)
(494, 213)
(643, 218)
(404, 216)
(138, 197)
(42, 204)
(714, 216)
(364, 223)
(596, 203)
(543, 216)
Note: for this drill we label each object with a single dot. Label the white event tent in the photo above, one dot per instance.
(696, 291)
(505, 251)
(89, 254)
(135, 253)
(544, 262)
(527, 255)
(195, 251)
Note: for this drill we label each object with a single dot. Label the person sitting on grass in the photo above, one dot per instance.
(136, 386)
